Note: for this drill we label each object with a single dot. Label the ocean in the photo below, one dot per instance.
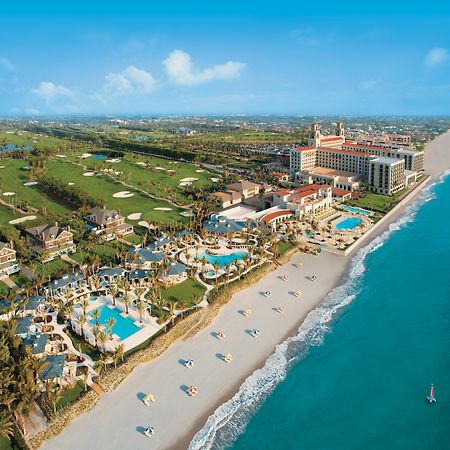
(357, 373)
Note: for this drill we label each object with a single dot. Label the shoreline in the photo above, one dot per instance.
(109, 421)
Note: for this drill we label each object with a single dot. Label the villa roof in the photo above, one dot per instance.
(34, 302)
(66, 280)
(147, 254)
(139, 274)
(176, 268)
(242, 185)
(36, 342)
(339, 192)
(47, 231)
(6, 245)
(54, 367)
(111, 272)
(103, 215)
(23, 325)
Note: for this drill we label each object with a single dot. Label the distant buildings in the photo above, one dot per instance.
(50, 240)
(236, 192)
(109, 223)
(345, 164)
(8, 262)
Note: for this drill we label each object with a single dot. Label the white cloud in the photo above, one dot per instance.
(131, 81)
(6, 63)
(370, 84)
(436, 56)
(50, 91)
(181, 70)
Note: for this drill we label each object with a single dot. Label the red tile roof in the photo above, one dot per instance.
(274, 215)
(368, 146)
(347, 152)
(340, 192)
(332, 138)
(302, 149)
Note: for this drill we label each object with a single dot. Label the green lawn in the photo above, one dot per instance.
(103, 188)
(105, 251)
(152, 180)
(13, 178)
(52, 269)
(70, 395)
(19, 279)
(83, 346)
(133, 238)
(188, 293)
(5, 444)
(6, 214)
(283, 247)
(374, 202)
(4, 288)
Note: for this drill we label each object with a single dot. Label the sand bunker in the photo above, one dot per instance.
(215, 180)
(88, 174)
(199, 170)
(134, 216)
(140, 163)
(31, 183)
(71, 184)
(86, 155)
(114, 160)
(9, 194)
(61, 156)
(185, 183)
(123, 194)
(189, 179)
(160, 168)
(162, 209)
(21, 219)
(186, 214)
(2, 167)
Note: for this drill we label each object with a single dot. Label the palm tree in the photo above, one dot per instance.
(139, 291)
(54, 397)
(113, 291)
(141, 309)
(126, 300)
(96, 283)
(6, 426)
(82, 322)
(84, 305)
(216, 269)
(103, 339)
(95, 332)
(172, 308)
(96, 315)
(110, 324)
(68, 293)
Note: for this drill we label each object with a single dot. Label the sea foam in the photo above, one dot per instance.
(230, 419)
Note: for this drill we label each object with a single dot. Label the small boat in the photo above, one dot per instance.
(247, 312)
(189, 363)
(228, 358)
(149, 398)
(149, 431)
(431, 398)
(220, 335)
(192, 391)
(255, 333)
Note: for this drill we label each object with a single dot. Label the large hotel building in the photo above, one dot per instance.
(345, 164)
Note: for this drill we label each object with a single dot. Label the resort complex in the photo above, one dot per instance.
(107, 256)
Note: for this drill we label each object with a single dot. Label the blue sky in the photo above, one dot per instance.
(219, 57)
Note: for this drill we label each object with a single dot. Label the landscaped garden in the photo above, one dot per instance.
(187, 293)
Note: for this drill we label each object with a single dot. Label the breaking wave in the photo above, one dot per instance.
(230, 419)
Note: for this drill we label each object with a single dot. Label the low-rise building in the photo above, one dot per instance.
(175, 273)
(50, 240)
(107, 222)
(228, 198)
(246, 188)
(8, 261)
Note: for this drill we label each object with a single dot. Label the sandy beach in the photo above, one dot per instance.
(119, 417)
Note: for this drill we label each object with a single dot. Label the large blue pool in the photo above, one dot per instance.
(349, 223)
(124, 326)
(223, 260)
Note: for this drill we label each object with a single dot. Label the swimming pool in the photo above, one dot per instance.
(223, 260)
(356, 210)
(124, 326)
(349, 223)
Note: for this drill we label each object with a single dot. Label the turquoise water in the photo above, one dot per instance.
(99, 156)
(124, 326)
(349, 223)
(354, 209)
(357, 373)
(223, 260)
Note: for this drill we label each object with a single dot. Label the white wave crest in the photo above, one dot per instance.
(230, 419)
